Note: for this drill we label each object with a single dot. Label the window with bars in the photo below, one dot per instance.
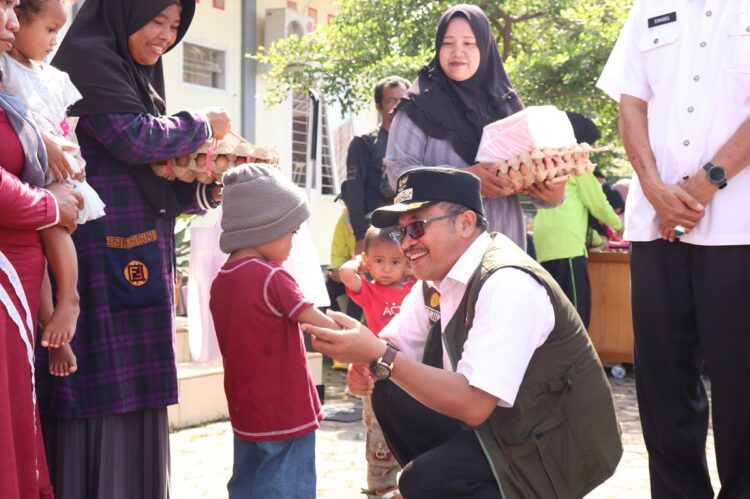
(302, 119)
(326, 158)
(204, 66)
(300, 124)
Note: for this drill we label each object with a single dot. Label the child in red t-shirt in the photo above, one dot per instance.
(257, 307)
(380, 300)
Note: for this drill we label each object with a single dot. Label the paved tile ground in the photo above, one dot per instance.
(202, 457)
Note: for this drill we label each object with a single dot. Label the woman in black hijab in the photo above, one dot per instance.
(106, 427)
(440, 122)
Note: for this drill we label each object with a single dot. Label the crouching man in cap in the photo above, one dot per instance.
(486, 384)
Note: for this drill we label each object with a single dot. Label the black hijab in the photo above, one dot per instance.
(458, 111)
(95, 55)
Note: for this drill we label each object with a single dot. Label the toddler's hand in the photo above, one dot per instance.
(81, 173)
(62, 325)
(56, 160)
(359, 381)
(363, 267)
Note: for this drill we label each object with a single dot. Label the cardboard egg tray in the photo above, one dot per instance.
(208, 164)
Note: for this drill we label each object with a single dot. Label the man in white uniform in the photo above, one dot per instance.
(488, 363)
(681, 73)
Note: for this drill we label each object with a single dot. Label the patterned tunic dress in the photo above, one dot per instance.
(124, 339)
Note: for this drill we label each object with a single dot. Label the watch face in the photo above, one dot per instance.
(380, 371)
(716, 174)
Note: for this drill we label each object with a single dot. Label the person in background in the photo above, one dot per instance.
(613, 198)
(622, 187)
(679, 71)
(560, 232)
(440, 120)
(25, 208)
(106, 428)
(381, 300)
(257, 307)
(368, 187)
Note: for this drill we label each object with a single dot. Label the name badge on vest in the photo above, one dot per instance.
(432, 304)
(671, 17)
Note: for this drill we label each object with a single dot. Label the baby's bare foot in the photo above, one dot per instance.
(62, 325)
(62, 361)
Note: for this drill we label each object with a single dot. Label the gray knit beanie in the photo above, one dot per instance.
(259, 206)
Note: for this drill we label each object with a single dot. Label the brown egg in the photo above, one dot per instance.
(200, 160)
(185, 174)
(221, 163)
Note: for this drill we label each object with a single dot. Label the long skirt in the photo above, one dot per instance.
(121, 456)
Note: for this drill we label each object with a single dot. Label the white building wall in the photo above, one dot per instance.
(213, 28)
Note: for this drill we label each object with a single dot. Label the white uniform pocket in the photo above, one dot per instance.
(659, 49)
(738, 45)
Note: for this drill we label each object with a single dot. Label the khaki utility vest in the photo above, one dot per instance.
(561, 438)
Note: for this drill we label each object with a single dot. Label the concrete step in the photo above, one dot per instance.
(201, 395)
(201, 392)
(181, 344)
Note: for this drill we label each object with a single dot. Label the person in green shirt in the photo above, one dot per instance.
(342, 244)
(560, 233)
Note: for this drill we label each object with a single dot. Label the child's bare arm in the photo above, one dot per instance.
(349, 273)
(61, 256)
(312, 315)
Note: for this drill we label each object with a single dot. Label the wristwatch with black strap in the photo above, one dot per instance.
(381, 368)
(716, 174)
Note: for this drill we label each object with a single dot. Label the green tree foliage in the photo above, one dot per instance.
(554, 51)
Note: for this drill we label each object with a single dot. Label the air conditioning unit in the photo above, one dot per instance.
(281, 23)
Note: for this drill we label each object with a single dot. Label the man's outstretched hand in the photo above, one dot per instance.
(352, 343)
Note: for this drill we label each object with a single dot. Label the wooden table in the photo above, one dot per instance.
(611, 327)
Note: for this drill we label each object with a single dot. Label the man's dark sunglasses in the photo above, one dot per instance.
(415, 229)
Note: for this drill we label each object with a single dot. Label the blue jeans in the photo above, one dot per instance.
(283, 469)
